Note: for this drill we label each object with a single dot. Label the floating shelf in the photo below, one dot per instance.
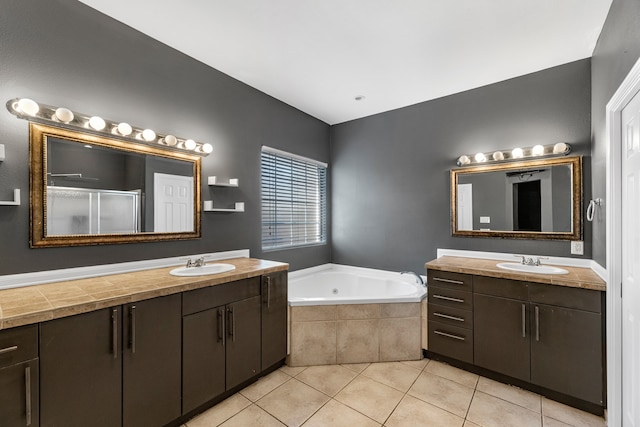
(213, 180)
(238, 208)
(16, 199)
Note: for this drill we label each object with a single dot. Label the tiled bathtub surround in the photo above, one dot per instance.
(359, 333)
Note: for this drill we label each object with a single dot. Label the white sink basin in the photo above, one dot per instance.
(205, 270)
(538, 269)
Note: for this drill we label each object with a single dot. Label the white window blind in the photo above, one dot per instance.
(294, 200)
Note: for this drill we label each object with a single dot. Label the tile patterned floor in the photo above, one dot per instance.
(395, 394)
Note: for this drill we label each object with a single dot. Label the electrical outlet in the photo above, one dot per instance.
(577, 247)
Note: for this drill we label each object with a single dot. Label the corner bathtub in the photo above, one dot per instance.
(340, 314)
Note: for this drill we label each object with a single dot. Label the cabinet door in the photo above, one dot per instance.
(501, 335)
(203, 357)
(81, 370)
(19, 395)
(274, 318)
(151, 361)
(566, 351)
(243, 341)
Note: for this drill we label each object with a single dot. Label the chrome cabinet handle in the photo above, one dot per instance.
(455, 282)
(537, 312)
(221, 326)
(444, 334)
(524, 321)
(446, 316)
(132, 325)
(114, 332)
(8, 349)
(27, 387)
(448, 298)
(231, 324)
(268, 292)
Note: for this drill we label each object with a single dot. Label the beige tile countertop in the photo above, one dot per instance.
(577, 277)
(32, 304)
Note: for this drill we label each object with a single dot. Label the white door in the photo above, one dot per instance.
(172, 203)
(465, 206)
(631, 263)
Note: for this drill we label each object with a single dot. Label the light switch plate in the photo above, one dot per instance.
(577, 247)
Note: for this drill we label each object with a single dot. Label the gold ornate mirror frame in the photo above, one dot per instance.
(575, 162)
(38, 181)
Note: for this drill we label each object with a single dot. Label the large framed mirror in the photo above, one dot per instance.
(88, 190)
(535, 199)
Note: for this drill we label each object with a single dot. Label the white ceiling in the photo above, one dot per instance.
(319, 55)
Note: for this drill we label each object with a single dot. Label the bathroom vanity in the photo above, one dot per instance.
(138, 349)
(536, 331)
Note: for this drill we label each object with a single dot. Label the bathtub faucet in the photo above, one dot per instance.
(419, 279)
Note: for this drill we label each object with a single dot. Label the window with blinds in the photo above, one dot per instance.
(294, 200)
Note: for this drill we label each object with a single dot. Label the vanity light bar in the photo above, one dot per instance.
(558, 149)
(27, 109)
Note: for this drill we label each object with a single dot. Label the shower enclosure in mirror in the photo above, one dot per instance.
(536, 199)
(87, 189)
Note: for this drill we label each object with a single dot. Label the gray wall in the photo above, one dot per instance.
(391, 171)
(615, 54)
(61, 52)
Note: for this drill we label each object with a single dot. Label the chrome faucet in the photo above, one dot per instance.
(197, 263)
(530, 260)
(419, 279)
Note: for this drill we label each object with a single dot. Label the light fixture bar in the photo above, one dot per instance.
(537, 151)
(27, 109)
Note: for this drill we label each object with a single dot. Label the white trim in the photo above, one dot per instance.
(293, 156)
(625, 92)
(498, 256)
(49, 276)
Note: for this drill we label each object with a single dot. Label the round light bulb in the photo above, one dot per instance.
(189, 144)
(148, 135)
(480, 157)
(463, 160)
(517, 153)
(124, 129)
(170, 140)
(560, 148)
(28, 106)
(63, 114)
(97, 123)
(498, 155)
(207, 148)
(537, 150)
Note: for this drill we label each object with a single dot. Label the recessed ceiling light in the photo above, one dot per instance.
(359, 98)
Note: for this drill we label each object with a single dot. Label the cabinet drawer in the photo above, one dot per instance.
(451, 316)
(500, 287)
(563, 296)
(18, 345)
(450, 297)
(214, 296)
(451, 341)
(446, 279)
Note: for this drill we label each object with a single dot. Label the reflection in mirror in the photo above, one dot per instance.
(533, 199)
(88, 189)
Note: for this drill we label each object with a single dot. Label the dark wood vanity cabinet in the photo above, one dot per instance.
(550, 336)
(111, 367)
(19, 377)
(221, 339)
(274, 318)
(450, 314)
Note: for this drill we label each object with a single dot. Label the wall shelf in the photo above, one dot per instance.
(15, 201)
(213, 181)
(2, 153)
(239, 207)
